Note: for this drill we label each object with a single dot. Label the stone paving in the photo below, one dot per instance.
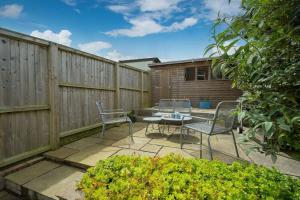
(57, 176)
(88, 151)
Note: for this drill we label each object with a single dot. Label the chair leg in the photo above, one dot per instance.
(130, 131)
(200, 145)
(146, 129)
(181, 135)
(159, 128)
(103, 130)
(235, 146)
(209, 146)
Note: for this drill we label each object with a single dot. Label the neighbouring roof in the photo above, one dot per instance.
(154, 59)
(179, 62)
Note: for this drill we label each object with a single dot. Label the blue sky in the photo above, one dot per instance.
(123, 29)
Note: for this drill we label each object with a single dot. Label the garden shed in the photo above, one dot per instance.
(192, 79)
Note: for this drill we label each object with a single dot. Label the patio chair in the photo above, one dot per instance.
(113, 116)
(182, 106)
(222, 122)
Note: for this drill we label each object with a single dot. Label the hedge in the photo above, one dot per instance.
(174, 177)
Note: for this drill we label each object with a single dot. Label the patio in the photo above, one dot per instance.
(56, 176)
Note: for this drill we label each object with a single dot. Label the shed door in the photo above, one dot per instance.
(165, 88)
(160, 85)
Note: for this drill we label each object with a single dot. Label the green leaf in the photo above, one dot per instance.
(285, 127)
(268, 127)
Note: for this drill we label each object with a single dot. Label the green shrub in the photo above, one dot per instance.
(265, 64)
(174, 177)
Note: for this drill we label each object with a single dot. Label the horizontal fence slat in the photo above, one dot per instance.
(132, 68)
(24, 155)
(20, 37)
(78, 85)
(78, 130)
(28, 108)
(77, 51)
(132, 89)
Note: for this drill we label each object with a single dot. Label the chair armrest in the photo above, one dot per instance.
(203, 118)
(111, 110)
(113, 113)
(196, 117)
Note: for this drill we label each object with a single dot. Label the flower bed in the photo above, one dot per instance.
(174, 177)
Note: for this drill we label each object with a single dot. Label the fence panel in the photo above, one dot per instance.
(48, 91)
(83, 81)
(24, 105)
(130, 88)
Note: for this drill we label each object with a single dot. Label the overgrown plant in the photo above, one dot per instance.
(174, 177)
(260, 51)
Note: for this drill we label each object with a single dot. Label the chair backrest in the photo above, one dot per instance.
(225, 116)
(166, 105)
(182, 106)
(99, 104)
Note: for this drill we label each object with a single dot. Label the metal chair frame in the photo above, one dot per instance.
(212, 124)
(122, 118)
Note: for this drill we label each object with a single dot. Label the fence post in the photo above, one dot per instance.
(53, 95)
(142, 89)
(117, 85)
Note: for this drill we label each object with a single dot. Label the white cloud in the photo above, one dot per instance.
(161, 5)
(144, 26)
(149, 17)
(94, 47)
(213, 7)
(140, 27)
(187, 22)
(63, 37)
(120, 8)
(70, 2)
(11, 10)
(116, 56)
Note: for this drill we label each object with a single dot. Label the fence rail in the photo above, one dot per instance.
(48, 91)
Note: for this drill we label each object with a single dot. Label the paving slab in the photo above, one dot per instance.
(58, 182)
(115, 135)
(4, 195)
(140, 133)
(91, 155)
(157, 135)
(80, 144)
(151, 148)
(106, 142)
(60, 153)
(134, 152)
(137, 143)
(15, 180)
(204, 154)
(165, 142)
(183, 152)
(25, 175)
(283, 164)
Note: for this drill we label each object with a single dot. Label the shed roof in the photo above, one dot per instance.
(154, 59)
(179, 62)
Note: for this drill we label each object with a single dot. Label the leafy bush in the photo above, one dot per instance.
(265, 39)
(174, 177)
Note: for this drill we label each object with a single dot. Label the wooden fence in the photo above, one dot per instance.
(48, 91)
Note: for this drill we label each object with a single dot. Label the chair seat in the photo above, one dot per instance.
(116, 120)
(206, 128)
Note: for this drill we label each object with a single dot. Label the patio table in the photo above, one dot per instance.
(183, 117)
(152, 120)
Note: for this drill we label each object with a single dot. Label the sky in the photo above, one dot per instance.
(120, 29)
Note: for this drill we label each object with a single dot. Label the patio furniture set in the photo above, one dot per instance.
(178, 111)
